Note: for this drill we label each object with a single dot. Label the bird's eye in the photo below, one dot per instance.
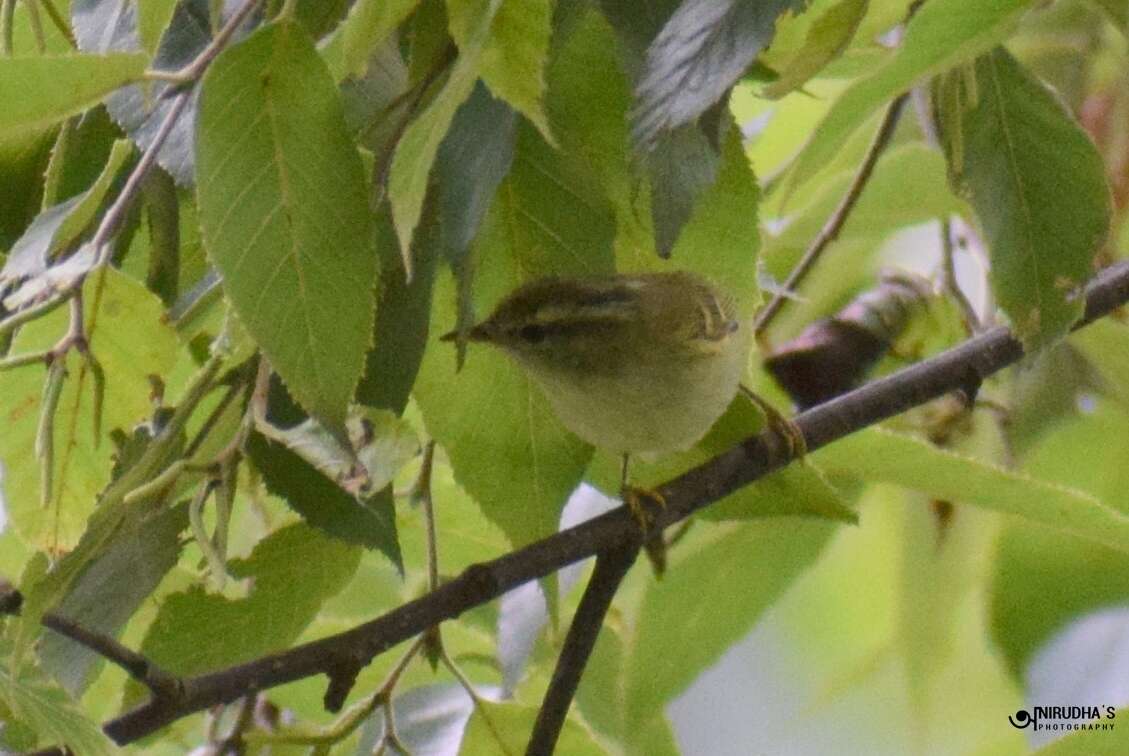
(532, 334)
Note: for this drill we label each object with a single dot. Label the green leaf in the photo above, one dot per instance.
(1042, 579)
(284, 214)
(400, 333)
(827, 38)
(40, 91)
(721, 239)
(131, 342)
(411, 163)
(1038, 186)
(1105, 344)
(703, 48)
(110, 590)
(943, 34)
(294, 475)
(681, 167)
(507, 448)
(515, 53)
(369, 24)
(708, 600)
(38, 703)
(880, 455)
(505, 728)
(292, 572)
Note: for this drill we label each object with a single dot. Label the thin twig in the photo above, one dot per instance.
(423, 494)
(949, 279)
(611, 568)
(36, 25)
(60, 23)
(139, 668)
(716, 478)
(7, 19)
(838, 219)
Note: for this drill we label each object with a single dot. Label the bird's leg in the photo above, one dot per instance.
(637, 501)
(781, 427)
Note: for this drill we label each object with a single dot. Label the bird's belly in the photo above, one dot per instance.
(643, 415)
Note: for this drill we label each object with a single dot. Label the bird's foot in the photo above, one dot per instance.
(784, 429)
(644, 505)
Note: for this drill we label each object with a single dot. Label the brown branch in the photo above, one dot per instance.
(753, 458)
(838, 219)
(159, 682)
(611, 568)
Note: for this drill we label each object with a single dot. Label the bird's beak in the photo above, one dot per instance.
(481, 332)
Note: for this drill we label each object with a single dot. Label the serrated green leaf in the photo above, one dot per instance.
(875, 455)
(505, 444)
(293, 572)
(1038, 186)
(368, 25)
(130, 342)
(943, 34)
(48, 711)
(706, 601)
(416, 150)
(826, 39)
(505, 728)
(284, 214)
(515, 53)
(40, 91)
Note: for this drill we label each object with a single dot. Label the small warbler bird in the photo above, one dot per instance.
(634, 364)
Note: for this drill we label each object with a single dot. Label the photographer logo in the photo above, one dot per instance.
(1063, 718)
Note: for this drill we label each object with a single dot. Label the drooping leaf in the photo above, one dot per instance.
(1038, 186)
(514, 56)
(110, 591)
(826, 39)
(703, 48)
(705, 602)
(40, 91)
(417, 148)
(284, 215)
(943, 34)
(402, 326)
(879, 455)
(474, 158)
(510, 447)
